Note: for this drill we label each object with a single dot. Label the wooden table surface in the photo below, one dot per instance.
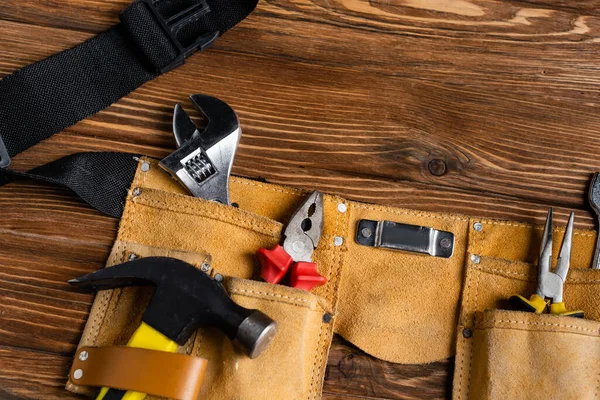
(478, 107)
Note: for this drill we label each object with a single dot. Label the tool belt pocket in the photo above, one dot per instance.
(289, 369)
(161, 220)
(513, 354)
(522, 355)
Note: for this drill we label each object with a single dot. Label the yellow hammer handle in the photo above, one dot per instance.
(145, 337)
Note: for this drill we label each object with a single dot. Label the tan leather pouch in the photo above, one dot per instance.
(396, 306)
(509, 354)
(519, 355)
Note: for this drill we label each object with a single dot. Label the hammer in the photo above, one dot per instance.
(185, 300)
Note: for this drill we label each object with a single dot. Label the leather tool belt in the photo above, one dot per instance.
(397, 306)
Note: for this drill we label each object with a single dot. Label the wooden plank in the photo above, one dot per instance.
(27, 374)
(476, 107)
(382, 117)
(353, 374)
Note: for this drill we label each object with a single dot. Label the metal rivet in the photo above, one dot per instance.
(83, 355)
(205, 267)
(132, 257)
(445, 243)
(338, 241)
(475, 258)
(219, 278)
(137, 191)
(467, 333)
(366, 232)
(478, 226)
(327, 318)
(145, 167)
(342, 208)
(78, 374)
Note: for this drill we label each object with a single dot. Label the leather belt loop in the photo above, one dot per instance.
(158, 373)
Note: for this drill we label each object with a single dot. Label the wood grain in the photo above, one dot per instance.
(477, 107)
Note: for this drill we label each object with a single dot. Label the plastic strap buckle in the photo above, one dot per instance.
(4, 156)
(173, 25)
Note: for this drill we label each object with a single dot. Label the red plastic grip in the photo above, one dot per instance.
(304, 276)
(274, 263)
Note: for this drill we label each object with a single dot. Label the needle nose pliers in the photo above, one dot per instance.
(550, 284)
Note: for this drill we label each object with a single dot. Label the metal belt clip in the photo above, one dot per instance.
(174, 24)
(4, 156)
(412, 238)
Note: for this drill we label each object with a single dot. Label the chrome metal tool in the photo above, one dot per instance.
(594, 200)
(550, 284)
(302, 235)
(203, 161)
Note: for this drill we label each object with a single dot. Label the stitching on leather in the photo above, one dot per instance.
(92, 335)
(319, 344)
(199, 340)
(598, 387)
(579, 328)
(531, 226)
(414, 214)
(242, 223)
(336, 277)
(296, 192)
(312, 381)
(280, 296)
(475, 271)
(469, 366)
(496, 271)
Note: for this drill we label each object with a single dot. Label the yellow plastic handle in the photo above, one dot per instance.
(145, 337)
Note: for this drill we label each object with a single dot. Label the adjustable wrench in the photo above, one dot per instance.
(203, 160)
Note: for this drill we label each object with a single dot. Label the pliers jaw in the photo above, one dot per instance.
(304, 230)
(302, 235)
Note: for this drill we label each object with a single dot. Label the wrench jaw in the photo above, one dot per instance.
(204, 160)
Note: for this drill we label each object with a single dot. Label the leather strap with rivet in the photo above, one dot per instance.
(158, 373)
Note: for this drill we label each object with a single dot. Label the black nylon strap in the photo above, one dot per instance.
(155, 35)
(101, 179)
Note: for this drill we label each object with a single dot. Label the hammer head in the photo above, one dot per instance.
(204, 159)
(185, 299)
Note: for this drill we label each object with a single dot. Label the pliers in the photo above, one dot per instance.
(550, 284)
(302, 235)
